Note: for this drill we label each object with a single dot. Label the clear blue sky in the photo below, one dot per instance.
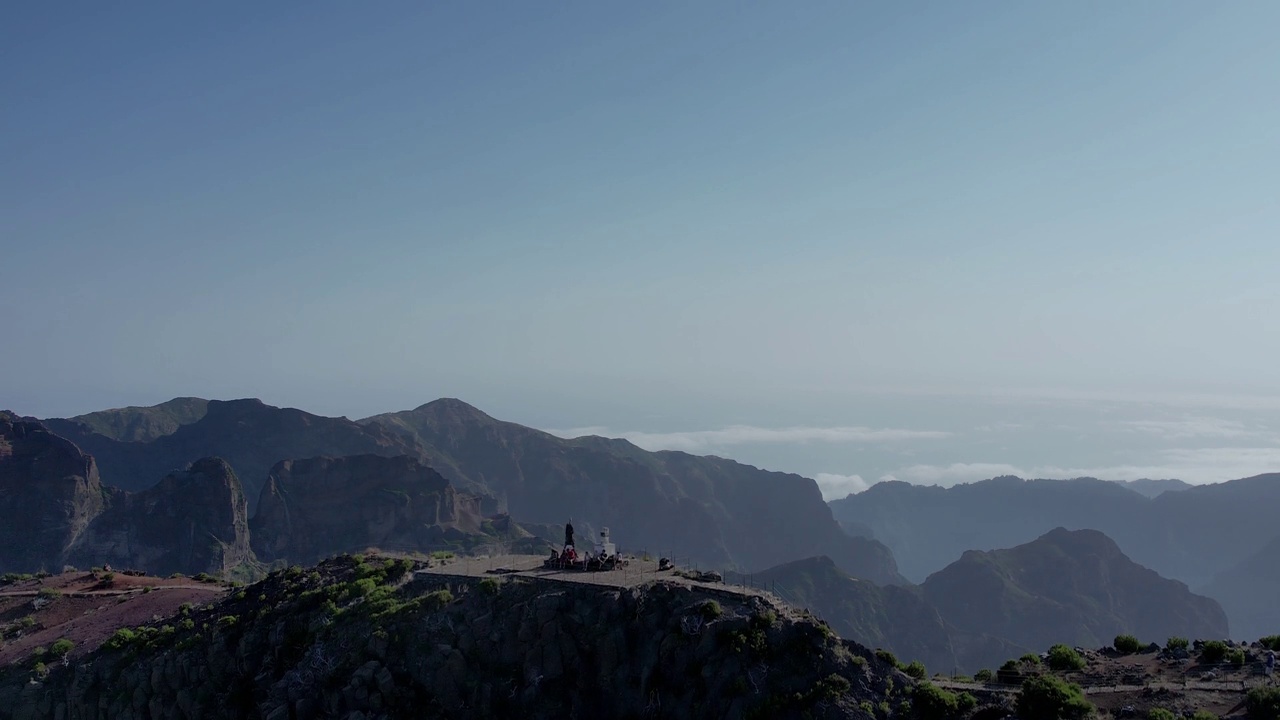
(581, 213)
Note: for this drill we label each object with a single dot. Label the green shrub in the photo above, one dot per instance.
(1235, 656)
(1263, 703)
(39, 652)
(710, 609)
(1050, 698)
(490, 586)
(983, 676)
(1213, 652)
(438, 599)
(1161, 714)
(122, 638)
(228, 621)
(916, 670)
(1064, 659)
(888, 657)
(1127, 644)
(1203, 715)
(50, 593)
(967, 702)
(61, 647)
(1030, 659)
(1177, 643)
(930, 702)
(1271, 642)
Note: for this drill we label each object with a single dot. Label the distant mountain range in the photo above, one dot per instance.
(704, 510)
(197, 485)
(1196, 535)
(1073, 587)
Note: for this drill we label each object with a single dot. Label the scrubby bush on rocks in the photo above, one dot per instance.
(1064, 659)
(1050, 698)
(1127, 644)
(1213, 652)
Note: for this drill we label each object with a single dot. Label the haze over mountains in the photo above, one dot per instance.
(446, 475)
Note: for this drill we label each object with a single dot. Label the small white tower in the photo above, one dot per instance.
(604, 547)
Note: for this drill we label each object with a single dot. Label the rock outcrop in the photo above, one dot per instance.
(194, 520)
(892, 617)
(314, 508)
(49, 493)
(354, 639)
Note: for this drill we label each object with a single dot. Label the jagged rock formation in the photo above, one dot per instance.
(49, 493)
(134, 424)
(193, 520)
(891, 617)
(1073, 587)
(719, 512)
(314, 508)
(250, 435)
(353, 637)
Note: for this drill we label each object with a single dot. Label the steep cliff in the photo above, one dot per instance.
(365, 636)
(318, 507)
(49, 493)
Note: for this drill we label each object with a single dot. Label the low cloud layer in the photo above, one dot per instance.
(702, 440)
(1192, 465)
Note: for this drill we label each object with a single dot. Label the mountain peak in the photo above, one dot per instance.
(452, 408)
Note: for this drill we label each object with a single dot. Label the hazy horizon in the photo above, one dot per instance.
(851, 241)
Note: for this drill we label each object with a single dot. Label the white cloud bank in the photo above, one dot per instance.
(701, 440)
(1192, 465)
(1192, 427)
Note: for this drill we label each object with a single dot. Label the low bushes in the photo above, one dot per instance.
(1127, 644)
(1050, 698)
(1064, 659)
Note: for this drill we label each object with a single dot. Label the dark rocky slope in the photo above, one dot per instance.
(314, 508)
(49, 493)
(891, 617)
(716, 511)
(1250, 593)
(358, 636)
(1073, 587)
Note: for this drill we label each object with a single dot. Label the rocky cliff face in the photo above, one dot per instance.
(250, 435)
(49, 493)
(318, 507)
(193, 520)
(717, 512)
(360, 636)
(1073, 587)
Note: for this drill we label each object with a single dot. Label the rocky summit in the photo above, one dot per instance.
(369, 637)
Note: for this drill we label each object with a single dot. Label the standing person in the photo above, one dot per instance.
(1271, 663)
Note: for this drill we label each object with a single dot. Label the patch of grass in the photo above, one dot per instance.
(1177, 643)
(50, 593)
(1161, 714)
(710, 609)
(61, 647)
